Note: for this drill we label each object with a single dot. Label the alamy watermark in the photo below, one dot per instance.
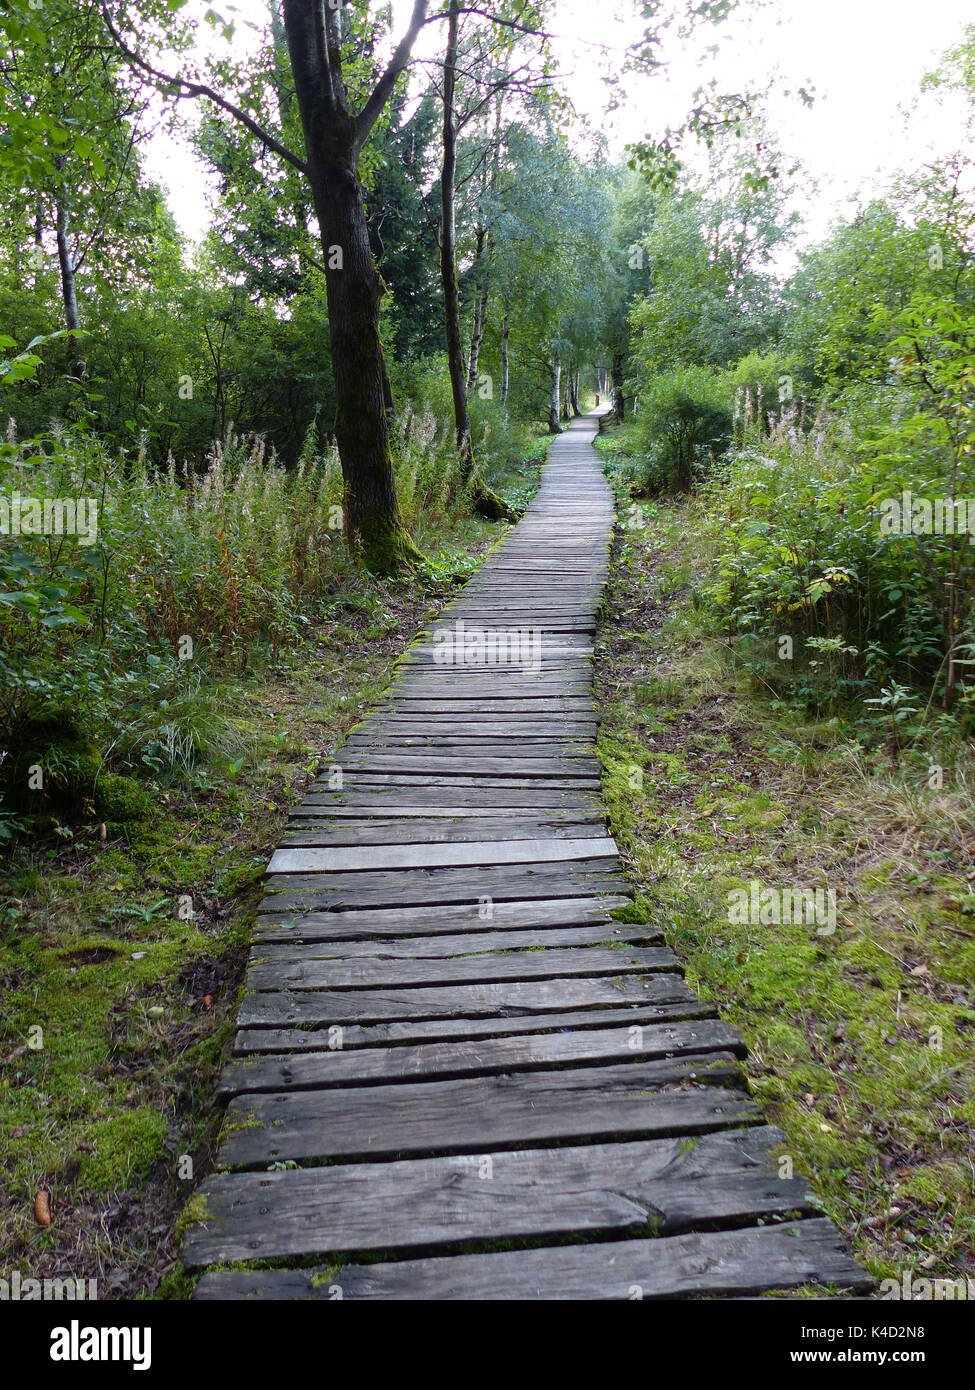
(461, 645)
(908, 515)
(18, 1289)
(756, 906)
(927, 1290)
(49, 516)
(77, 1343)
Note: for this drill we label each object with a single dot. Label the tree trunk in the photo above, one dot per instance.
(555, 370)
(505, 329)
(364, 411)
(69, 294)
(448, 250)
(486, 502)
(574, 392)
(38, 244)
(619, 403)
(480, 311)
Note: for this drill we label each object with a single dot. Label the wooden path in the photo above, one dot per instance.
(455, 1074)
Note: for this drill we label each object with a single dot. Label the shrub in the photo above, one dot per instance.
(796, 525)
(684, 421)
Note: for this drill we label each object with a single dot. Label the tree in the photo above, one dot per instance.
(490, 77)
(335, 129)
(403, 210)
(549, 217)
(82, 191)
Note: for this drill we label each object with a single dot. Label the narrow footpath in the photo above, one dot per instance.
(450, 1058)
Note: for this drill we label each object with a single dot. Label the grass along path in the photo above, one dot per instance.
(861, 1043)
(127, 951)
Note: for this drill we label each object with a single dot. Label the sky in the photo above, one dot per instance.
(864, 59)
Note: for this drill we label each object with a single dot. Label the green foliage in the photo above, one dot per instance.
(427, 464)
(181, 573)
(846, 296)
(710, 297)
(797, 527)
(184, 577)
(832, 513)
(684, 421)
(861, 1043)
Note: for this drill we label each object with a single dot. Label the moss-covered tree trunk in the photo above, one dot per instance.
(333, 137)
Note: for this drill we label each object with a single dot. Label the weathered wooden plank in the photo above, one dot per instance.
(503, 687)
(479, 793)
(458, 831)
(488, 706)
(309, 1007)
(511, 743)
(469, 881)
(249, 1041)
(300, 892)
(720, 1264)
(680, 1095)
(484, 681)
(456, 944)
(358, 925)
(419, 855)
(355, 779)
(478, 1057)
(462, 804)
(471, 749)
(462, 763)
(454, 733)
(623, 1188)
(513, 714)
(311, 971)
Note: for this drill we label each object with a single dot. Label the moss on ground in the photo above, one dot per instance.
(862, 1042)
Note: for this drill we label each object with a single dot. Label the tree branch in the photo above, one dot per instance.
(381, 92)
(200, 89)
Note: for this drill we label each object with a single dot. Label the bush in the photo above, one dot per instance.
(796, 525)
(51, 767)
(684, 420)
(186, 576)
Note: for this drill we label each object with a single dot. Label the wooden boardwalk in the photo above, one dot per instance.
(455, 1074)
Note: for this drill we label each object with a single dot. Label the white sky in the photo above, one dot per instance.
(864, 58)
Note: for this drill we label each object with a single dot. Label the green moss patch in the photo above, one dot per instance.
(862, 1041)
